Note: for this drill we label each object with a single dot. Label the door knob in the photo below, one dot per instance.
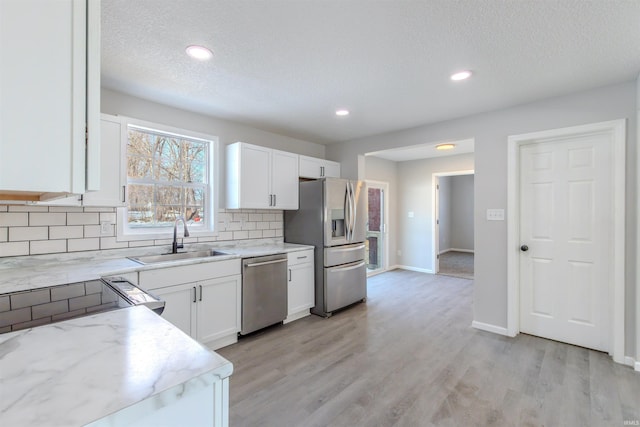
(524, 248)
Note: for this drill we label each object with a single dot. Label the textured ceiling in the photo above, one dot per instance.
(286, 65)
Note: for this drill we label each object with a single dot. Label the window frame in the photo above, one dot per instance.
(124, 231)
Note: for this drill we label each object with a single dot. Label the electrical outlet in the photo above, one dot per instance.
(106, 228)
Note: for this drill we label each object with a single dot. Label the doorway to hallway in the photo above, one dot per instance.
(377, 245)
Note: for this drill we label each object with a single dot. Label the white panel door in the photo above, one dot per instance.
(284, 184)
(566, 220)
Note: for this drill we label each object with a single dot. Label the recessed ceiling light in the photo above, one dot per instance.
(447, 146)
(462, 75)
(199, 52)
(342, 112)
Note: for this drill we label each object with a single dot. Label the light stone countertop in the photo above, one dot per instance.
(31, 272)
(77, 371)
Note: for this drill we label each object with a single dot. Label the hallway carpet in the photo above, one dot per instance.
(457, 264)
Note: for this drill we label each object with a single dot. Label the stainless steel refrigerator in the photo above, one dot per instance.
(332, 217)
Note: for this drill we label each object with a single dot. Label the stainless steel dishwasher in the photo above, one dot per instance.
(264, 292)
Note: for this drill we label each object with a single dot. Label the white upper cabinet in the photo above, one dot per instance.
(112, 187)
(50, 86)
(261, 178)
(311, 167)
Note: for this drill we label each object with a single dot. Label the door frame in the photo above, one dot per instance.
(435, 202)
(616, 129)
(385, 224)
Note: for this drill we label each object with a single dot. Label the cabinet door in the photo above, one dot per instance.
(179, 305)
(301, 294)
(309, 167)
(111, 191)
(255, 176)
(331, 169)
(218, 308)
(284, 184)
(42, 137)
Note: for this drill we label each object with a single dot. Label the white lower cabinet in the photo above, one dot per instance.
(203, 300)
(301, 291)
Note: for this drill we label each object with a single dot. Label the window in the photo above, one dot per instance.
(169, 174)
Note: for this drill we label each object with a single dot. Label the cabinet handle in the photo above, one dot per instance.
(195, 293)
(289, 274)
(321, 170)
(274, 200)
(200, 292)
(302, 257)
(124, 194)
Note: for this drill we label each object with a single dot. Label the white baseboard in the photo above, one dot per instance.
(469, 251)
(489, 328)
(419, 270)
(630, 361)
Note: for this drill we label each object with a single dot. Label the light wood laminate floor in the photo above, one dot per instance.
(409, 357)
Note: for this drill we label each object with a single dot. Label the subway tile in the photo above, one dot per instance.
(162, 242)
(110, 217)
(249, 225)
(84, 302)
(4, 234)
(78, 245)
(14, 219)
(66, 232)
(49, 218)
(4, 208)
(65, 209)
(279, 216)
(68, 291)
(255, 217)
(238, 235)
(240, 216)
(112, 243)
(29, 298)
(225, 235)
(255, 234)
(91, 230)
(207, 239)
(5, 329)
(269, 217)
(89, 218)
(225, 217)
(234, 226)
(28, 208)
(93, 287)
(102, 307)
(19, 234)
(262, 225)
(15, 316)
(278, 232)
(4, 304)
(268, 233)
(47, 246)
(14, 249)
(275, 224)
(49, 309)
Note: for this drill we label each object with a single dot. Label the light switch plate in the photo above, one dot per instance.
(410, 215)
(495, 214)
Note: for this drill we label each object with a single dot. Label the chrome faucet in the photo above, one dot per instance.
(176, 246)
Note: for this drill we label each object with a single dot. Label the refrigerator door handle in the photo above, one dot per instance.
(348, 267)
(347, 212)
(353, 209)
(352, 248)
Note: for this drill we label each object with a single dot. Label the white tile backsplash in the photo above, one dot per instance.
(34, 230)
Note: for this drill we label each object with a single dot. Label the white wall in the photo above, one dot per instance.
(490, 131)
(386, 171)
(462, 212)
(415, 237)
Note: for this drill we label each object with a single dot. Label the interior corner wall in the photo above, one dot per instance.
(415, 208)
(377, 169)
(491, 131)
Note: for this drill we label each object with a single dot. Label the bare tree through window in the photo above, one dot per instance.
(167, 178)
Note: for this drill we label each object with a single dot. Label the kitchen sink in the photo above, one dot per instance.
(153, 259)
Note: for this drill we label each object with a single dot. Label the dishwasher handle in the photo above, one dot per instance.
(256, 264)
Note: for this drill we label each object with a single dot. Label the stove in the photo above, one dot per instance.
(42, 306)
